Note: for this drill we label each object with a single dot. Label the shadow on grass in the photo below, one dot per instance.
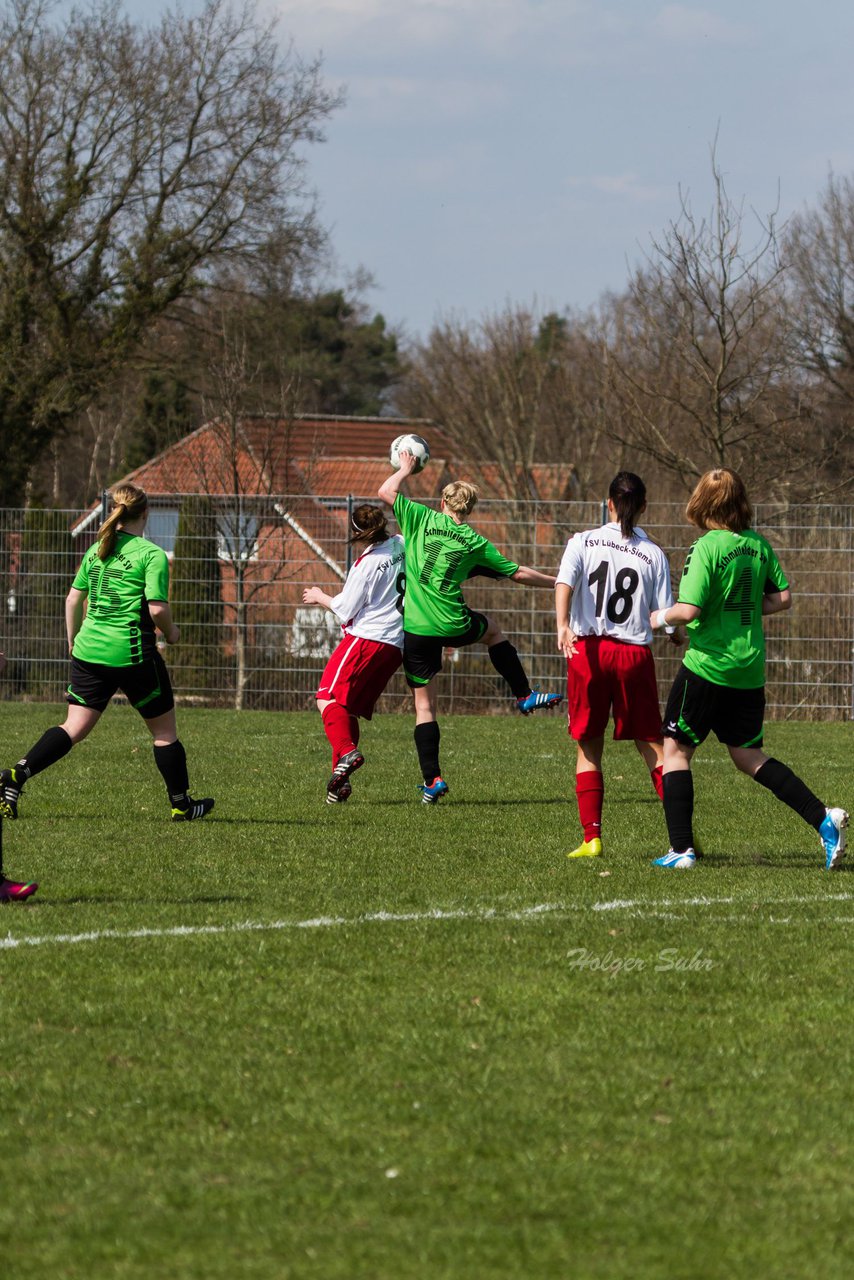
(102, 900)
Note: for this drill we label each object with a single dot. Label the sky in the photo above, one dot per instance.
(526, 152)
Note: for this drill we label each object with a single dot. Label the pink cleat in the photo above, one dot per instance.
(14, 891)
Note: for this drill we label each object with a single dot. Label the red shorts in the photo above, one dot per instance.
(357, 673)
(605, 674)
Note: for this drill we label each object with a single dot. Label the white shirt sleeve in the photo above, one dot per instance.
(663, 597)
(353, 595)
(572, 561)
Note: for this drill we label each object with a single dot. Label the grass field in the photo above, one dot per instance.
(382, 1040)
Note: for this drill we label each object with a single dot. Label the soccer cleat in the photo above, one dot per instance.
(343, 793)
(193, 809)
(11, 787)
(587, 849)
(682, 861)
(535, 700)
(339, 782)
(15, 891)
(437, 788)
(832, 833)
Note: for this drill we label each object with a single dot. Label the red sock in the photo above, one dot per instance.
(657, 775)
(354, 729)
(590, 790)
(337, 727)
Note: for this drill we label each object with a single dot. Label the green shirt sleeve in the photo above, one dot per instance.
(409, 515)
(776, 580)
(81, 578)
(493, 561)
(157, 575)
(696, 576)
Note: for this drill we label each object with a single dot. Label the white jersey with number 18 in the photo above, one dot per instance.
(616, 583)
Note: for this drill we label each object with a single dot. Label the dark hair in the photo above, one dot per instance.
(628, 494)
(369, 523)
(720, 501)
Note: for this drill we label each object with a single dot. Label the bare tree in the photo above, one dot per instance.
(699, 354)
(819, 251)
(132, 160)
(513, 389)
(242, 462)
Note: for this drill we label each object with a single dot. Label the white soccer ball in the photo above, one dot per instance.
(416, 445)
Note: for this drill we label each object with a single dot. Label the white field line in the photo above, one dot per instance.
(638, 907)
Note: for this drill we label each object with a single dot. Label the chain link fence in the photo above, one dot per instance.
(239, 566)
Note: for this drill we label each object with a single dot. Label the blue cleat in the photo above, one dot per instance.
(832, 833)
(535, 700)
(437, 788)
(681, 861)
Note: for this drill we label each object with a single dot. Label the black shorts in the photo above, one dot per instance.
(146, 685)
(696, 708)
(422, 655)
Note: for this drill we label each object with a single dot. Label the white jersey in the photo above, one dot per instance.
(370, 604)
(616, 583)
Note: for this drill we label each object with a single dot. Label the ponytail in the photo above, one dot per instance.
(129, 503)
(628, 494)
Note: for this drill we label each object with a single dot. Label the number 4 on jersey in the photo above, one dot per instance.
(740, 599)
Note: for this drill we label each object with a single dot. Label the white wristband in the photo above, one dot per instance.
(661, 620)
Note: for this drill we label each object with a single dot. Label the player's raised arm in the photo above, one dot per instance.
(390, 488)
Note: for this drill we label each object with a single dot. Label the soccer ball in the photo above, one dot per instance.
(416, 445)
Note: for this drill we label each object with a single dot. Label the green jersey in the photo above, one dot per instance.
(117, 630)
(726, 575)
(440, 555)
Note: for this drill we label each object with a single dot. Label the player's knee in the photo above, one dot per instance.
(493, 635)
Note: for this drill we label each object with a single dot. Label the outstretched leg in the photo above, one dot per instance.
(51, 747)
(787, 786)
(505, 658)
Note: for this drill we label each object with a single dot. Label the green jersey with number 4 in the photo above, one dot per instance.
(440, 555)
(726, 575)
(117, 630)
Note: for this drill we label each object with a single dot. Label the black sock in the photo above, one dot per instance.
(427, 746)
(787, 786)
(505, 659)
(51, 746)
(679, 808)
(171, 760)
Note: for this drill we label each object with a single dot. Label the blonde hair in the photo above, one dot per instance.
(460, 497)
(370, 524)
(129, 503)
(720, 501)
